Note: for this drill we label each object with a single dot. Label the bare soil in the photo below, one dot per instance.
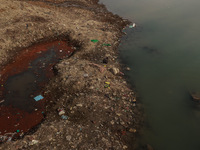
(99, 105)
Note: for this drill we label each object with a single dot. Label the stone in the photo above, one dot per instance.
(79, 105)
(62, 112)
(112, 122)
(115, 71)
(33, 142)
(132, 130)
(68, 137)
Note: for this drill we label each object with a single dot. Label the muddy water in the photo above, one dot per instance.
(21, 81)
(163, 52)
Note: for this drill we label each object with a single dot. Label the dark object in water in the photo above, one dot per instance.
(150, 50)
(195, 96)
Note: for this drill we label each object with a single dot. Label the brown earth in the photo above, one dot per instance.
(98, 116)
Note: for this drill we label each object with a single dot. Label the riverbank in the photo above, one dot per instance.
(89, 87)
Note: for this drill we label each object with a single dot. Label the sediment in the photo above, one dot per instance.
(99, 106)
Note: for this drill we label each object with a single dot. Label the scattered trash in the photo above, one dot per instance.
(107, 85)
(39, 97)
(64, 117)
(94, 41)
(132, 26)
(9, 139)
(17, 131)
(106, 44)
(61, 111)
(127, 68)
(85, 75)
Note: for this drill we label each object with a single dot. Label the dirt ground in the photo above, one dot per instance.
(99, 107)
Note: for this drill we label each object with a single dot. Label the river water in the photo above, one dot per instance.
(163, 53)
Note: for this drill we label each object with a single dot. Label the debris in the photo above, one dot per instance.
(61, 111)
(64, 117)
(107, 85)
(85, 75)
(106, 44)
(39, 97)
(94, 41)
(127, 68)
(132, 26)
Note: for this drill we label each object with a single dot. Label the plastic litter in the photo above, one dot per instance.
(107, 85)
(94, 41)
(39, 97)
(132, 26)
(105, 44)
(61, 111)
(85, 75)
(64, 117)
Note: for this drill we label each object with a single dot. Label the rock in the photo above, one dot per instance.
(132, 130)
(68, 137)
(62, 112)
(112, 122)
(115, 71)
(79, 105)
(33, 142)
(85, 75)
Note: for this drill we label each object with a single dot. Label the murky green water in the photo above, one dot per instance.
(164, 55)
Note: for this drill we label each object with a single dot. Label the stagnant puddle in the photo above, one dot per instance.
(22, 105)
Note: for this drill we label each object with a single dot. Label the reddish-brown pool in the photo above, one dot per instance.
(21, 81)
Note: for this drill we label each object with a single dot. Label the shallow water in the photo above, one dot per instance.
(163, 52)
(23, 79)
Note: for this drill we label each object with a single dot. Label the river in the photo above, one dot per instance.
(163, 54)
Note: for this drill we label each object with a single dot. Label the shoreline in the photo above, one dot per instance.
(100, 115)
